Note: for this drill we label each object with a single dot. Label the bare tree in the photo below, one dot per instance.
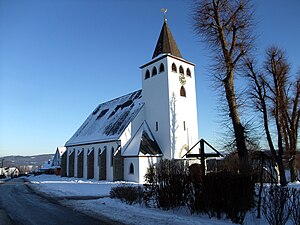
(286, 109)
(290, 120)
(271, 95)
(259, 95)
(226, 27)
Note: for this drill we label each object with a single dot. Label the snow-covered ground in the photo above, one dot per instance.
(113, 208)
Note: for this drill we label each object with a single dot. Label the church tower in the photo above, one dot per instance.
(169, 94)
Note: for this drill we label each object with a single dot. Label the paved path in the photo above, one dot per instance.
(20, 205)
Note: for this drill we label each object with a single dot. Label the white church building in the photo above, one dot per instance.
(122, 137)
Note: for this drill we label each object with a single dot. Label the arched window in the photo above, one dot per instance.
(112, 156)
(147, 74)
(161, 68)
(182, 92)
(188, 72)
(174, 68)
(131, 168)
(154, 71)
(181, 71)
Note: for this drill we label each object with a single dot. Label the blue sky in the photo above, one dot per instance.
(60, 59)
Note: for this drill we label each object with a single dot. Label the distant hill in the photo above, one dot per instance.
(26, 163)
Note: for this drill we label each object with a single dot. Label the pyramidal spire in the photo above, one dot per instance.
(166, 42)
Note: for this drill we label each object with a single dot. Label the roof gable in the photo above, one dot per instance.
(142, 143)
(108, 121)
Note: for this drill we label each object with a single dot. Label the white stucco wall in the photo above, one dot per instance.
(144, 163)
(76, 162)
(163, 104)
(185, 108)
(96, 165)
(131, 177)
(109, 167)
(156, 97)
(141, 165)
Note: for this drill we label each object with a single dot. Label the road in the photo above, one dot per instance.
(20, 205)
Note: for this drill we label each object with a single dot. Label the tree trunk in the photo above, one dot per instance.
(281, 169)
(261, 186)
(283, 181)
(239, 130)
(292, 156)
(293, 169)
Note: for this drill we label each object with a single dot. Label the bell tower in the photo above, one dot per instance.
(169, 93)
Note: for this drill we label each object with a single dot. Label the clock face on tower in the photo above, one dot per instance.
(182, 79)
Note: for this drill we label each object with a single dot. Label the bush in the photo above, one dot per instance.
(275, 205)
(165, 184)
(295, 206)
(128, 194)
(225, 193)
(170, 185)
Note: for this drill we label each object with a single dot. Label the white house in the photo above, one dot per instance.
(56, 162)
(122, 137)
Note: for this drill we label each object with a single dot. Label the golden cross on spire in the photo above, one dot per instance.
(164, 11)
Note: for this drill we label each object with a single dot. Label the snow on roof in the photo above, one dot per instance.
(108, 121)
(142, 143)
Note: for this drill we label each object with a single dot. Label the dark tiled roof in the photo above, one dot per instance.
(166, 43)
(149, 145)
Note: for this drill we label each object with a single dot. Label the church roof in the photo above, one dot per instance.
(108, 121)
(142, 143)
(166, 43)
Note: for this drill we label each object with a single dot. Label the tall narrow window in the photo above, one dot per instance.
(181, 71)
(174, 68)
(188, 72)
(131, 168)
(154, 71)
(184, 127)
(156, 126)
(161, 68)
(147, 74)
(112, 156)
(182, 92)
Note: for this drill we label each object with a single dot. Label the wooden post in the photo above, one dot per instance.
(202, 154)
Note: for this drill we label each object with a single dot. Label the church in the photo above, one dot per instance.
(123, 136)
